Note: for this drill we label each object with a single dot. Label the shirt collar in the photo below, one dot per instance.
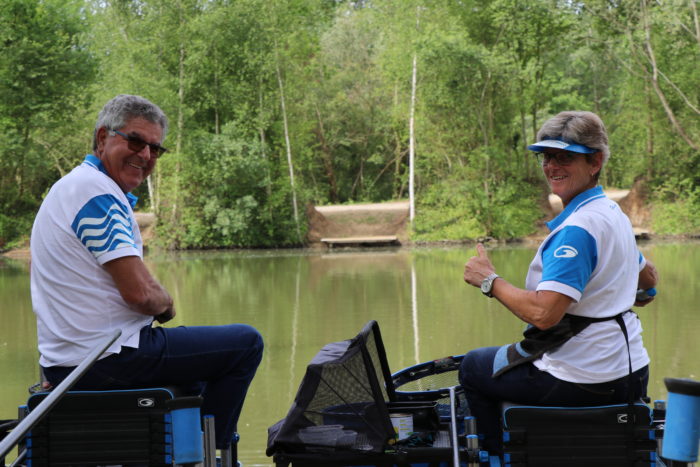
(579, 201)
(95, 162)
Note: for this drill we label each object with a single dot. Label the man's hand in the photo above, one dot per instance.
(478, 267)
(166, 316)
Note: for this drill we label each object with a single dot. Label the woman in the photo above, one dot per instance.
(582, 281)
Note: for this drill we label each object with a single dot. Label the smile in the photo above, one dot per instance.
(136, 166)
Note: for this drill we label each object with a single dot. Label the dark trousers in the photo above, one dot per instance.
(218, 362)
(526, 384)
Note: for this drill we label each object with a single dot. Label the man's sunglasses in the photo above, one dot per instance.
(136, 144)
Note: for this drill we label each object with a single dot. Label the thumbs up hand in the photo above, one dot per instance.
(478, 267)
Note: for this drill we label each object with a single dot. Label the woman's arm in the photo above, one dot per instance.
(648, 278)
(542, 309)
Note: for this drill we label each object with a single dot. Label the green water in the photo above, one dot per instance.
(301, 300)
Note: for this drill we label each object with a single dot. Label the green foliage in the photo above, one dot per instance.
(44, 68)
(676, 207)
(13, 229)
(227, 200)
(461, 207)
(256, 88)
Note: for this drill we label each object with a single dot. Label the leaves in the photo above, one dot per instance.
(489, 73)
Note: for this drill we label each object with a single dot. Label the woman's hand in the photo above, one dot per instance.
(542, 309)
(478, 267)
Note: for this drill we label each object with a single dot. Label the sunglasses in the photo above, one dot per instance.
(136, 144)
(562, 158)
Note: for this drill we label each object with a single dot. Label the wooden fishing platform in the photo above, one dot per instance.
(367, 240)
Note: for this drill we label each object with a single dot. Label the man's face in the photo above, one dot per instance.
(127, 167)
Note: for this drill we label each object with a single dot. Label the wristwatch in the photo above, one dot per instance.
(487, 284)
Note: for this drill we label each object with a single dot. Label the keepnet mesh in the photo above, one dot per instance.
(430, 381)
(341, 402)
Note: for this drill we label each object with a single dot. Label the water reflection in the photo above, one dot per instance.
(414, 315)
(302, 300)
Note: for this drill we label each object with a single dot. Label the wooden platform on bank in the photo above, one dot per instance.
(368, 240)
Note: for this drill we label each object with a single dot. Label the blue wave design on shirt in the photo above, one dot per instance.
(103, 225)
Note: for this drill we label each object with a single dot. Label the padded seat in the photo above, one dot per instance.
(578, 436)
(120, 427)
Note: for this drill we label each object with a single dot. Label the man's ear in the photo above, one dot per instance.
(100, 138)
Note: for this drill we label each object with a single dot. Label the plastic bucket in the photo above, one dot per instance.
(682, 431)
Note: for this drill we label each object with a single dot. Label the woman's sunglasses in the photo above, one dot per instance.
(136, 144)
(562, 158)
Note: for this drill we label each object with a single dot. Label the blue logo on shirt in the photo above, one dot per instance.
(103, 225)
(565, 251)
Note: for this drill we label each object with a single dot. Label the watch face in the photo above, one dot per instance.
(486, 285)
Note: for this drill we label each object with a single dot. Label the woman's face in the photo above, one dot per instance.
(568, 173)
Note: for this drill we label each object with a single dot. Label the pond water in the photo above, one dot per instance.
(301, 300)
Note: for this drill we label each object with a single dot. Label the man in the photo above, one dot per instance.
(88, 279)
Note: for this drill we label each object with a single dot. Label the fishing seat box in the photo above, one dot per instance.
(120, 427)
(578, 436)
(341, 413)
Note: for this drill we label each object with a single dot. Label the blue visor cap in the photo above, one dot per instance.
(560, 144)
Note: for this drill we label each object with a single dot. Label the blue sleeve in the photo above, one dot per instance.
(103, 225)
(570, 257)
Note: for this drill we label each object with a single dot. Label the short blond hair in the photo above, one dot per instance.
(577, 126)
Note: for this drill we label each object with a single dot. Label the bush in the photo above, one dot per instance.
(221, 196)
(676, 208)
(459, 208)
(14, 230)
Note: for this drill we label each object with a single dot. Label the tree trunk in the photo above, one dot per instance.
(655, 82)
(180, 128)
(650, 133)
(327, 157)
(289, 149)
(263, 141)
(412, 142)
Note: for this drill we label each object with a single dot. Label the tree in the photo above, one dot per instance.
(44, 69)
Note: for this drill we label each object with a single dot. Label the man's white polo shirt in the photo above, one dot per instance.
(84, 222)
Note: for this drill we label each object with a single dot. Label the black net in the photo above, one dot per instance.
(430, 381)
(341, 402)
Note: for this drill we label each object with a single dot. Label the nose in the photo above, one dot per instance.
(552, 160)
(145, 153)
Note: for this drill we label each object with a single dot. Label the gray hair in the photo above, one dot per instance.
(580, 127)
(118, 111)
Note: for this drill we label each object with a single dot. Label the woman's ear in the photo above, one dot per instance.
(596, 163)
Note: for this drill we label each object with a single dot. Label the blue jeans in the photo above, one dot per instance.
(526, 384)
(218, 362)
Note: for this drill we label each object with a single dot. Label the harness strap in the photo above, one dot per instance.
(630, 399)
(536, 341)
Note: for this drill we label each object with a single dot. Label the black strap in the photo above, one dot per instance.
(537, 341)
(620, 320)
(630, 398)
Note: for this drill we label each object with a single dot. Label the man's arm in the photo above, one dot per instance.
(140, 289)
